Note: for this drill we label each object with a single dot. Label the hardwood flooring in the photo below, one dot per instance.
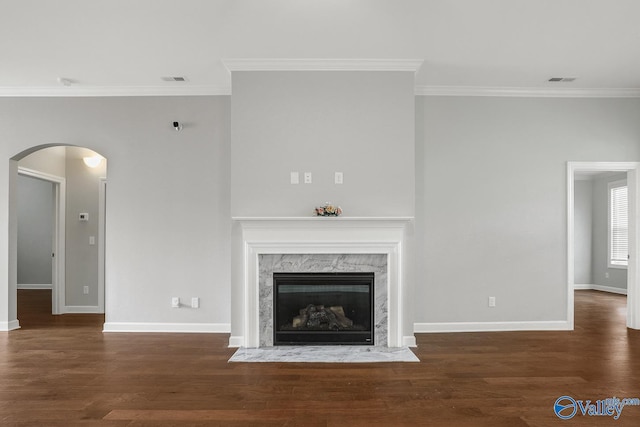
(63, 371)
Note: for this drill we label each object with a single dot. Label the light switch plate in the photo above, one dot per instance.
(295, 178)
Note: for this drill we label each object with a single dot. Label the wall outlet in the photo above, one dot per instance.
(195, 302)
(492, 301)
(85, 290)
(606, 275)
(307, 177)
(175, 302)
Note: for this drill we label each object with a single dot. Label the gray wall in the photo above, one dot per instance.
(35, 231)
(358, 123)
(81, 257)
(617, 276)
(583, 231)
(492, 199)
(168, 213)
(491, 195)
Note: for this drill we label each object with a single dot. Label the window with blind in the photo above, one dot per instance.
(618, 225)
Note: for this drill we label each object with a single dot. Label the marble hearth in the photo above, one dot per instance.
(320, 245)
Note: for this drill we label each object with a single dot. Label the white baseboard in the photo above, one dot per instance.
(82, 309)
(560, 325)
(215, 328)
(409, 341)
(611, 289)
(9, 326)
(34, 286)
(236, 341)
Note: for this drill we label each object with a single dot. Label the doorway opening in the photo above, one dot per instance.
(76, 179)
(590, 263)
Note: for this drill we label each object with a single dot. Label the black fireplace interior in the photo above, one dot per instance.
(323, 308)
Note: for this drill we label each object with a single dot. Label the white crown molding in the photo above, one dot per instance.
(99, 91)
(526, 92)
(412, 65)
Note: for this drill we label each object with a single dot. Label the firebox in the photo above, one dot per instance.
(323, 308)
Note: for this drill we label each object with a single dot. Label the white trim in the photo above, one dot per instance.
(102, 199)
(249, 221)
(559, 325)
(412, 65)
(633, 283)
(527, 92)
(213, 328)
(236, 341)
(610, 289)
(34, 286)
(9, 326)
(83, 91)
(82, 309)
(59, 236)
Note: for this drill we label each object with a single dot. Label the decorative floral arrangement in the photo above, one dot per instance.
(328, 210)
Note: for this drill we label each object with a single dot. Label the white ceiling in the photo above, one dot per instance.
(129, 45)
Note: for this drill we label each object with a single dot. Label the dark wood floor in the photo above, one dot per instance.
(62, 371)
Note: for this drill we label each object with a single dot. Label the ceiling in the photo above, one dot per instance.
(126, 47)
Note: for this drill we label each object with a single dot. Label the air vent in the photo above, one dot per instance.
(562, 79)
(174, 79)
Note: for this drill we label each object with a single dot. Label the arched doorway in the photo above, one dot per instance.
(77, 177)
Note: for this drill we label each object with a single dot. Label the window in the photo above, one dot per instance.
(618, 225)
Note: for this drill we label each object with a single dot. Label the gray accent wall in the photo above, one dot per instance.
(35, 230)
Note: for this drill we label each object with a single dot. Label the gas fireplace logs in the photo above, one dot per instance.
(319, 316)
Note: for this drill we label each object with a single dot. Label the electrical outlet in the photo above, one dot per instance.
(195, 302)
(492, 301)
(175, 302)
(307, 177)
(85, 290)
(606, 275)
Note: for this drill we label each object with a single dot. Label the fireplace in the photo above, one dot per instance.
(323, 308)
(265, 246)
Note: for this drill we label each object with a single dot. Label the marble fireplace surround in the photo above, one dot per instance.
(323, 236)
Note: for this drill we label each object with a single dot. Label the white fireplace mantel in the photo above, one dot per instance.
(322, 235)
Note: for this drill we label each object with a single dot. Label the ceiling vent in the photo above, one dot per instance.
(174, 79)
(562, 79)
